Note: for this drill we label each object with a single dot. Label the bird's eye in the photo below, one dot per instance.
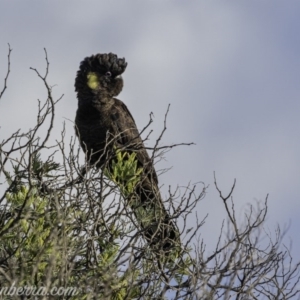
(108, 74)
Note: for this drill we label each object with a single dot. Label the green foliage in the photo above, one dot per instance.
(43, 247)
(30, 238)
(124, 171)
(41, 168)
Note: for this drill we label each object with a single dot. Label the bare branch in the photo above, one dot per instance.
(8, 71)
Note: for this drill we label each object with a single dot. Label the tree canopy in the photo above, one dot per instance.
(65, 225)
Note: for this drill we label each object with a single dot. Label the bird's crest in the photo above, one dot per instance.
(98, 64)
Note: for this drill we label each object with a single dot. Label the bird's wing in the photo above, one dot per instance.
(127, 135)
(160, 231)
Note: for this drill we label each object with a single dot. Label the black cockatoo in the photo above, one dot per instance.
(105, 127)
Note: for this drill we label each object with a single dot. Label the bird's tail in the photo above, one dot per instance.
(139, 187)
(159, 229)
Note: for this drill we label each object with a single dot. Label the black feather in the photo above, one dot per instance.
(104, 123)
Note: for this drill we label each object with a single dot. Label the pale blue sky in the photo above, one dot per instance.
(229, 69)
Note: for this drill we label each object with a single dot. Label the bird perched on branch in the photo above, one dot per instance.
(107, 131)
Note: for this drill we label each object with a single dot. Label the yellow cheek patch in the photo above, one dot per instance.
(92, 80)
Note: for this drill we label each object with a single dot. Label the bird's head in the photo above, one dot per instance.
(100, 74)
